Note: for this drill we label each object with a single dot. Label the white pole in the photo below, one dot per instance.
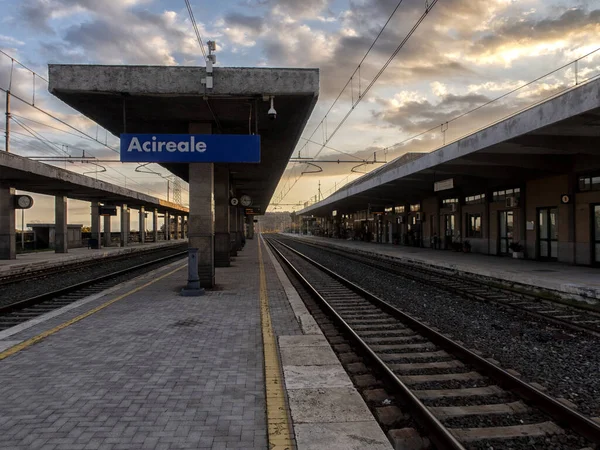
(22, 230)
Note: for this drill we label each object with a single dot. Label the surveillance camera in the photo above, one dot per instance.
(272, 113)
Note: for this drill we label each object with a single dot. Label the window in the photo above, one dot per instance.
(474, 199)
(449, 201)
(473, 225)
(415, 208)
(399, 209)
(501, 195)
(589, 183)
(388, 210)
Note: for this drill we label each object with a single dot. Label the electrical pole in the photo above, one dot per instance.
(7, 140)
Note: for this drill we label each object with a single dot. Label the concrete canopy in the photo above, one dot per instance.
(32, 176)
(166, 99)
(557, 136)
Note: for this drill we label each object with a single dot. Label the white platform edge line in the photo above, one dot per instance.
(57, 312)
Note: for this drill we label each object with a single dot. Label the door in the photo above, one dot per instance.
(505, 235)
(548, 233)
(448, 230)
(596, 234)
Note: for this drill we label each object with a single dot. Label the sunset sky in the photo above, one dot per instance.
(463, 54)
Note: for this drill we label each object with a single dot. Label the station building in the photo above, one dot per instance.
(528, 185)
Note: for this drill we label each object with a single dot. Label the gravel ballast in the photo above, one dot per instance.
(567, 363)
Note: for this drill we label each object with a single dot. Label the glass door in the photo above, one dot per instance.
(505, 234)
(548, 233)
(596, 233)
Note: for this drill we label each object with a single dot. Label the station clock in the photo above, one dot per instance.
(245, 200)
(23, 202)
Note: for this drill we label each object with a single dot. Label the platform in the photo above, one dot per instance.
(140, 367)
(26, 262)
(568, 281)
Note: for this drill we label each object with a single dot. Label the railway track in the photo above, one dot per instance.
(578, 319)
(459, 399)
(45, 272)
(15, 313)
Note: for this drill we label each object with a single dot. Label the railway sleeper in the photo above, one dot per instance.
(440, 377)
(413, 356)
(508, 432)
(433, 394)
(412, 367)
(446, 412)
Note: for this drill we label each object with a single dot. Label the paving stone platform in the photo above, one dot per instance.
(149, 369)
(569, 281)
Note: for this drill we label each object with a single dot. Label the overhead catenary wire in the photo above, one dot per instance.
(195, 25)
(428, 8)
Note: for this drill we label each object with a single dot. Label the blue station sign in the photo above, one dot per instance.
(190, 148)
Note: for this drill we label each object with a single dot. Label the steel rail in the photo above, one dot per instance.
(46, 271)
(404, 269)
(7, 309)
(440, 435)
(562, 414)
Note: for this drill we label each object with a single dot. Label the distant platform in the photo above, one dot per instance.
(27, 262)
(568, 281)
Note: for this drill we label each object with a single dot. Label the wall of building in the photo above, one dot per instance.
(478, 245)
(584, 221)
(542, 193)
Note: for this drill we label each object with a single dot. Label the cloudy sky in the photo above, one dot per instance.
(463, 54)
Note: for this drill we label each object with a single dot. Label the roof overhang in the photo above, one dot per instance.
(558, 136)
(33, 176)
(166, 99)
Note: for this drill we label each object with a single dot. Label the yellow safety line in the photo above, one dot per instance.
(34, 340)
(278, 423)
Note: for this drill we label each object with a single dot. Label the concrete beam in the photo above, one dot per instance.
(180, 80)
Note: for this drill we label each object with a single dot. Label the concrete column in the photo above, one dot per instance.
(222, 246)
(250, 231)
(240, 232)
(96, 224)
(8, 246)
(107, 238)
(142, 221)
(200, 222)
(233, 249)
(128, 223)
(124, 226)
(60, 224)
(176, 230)
(167, 226)
(155, 224)
(200, 219)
